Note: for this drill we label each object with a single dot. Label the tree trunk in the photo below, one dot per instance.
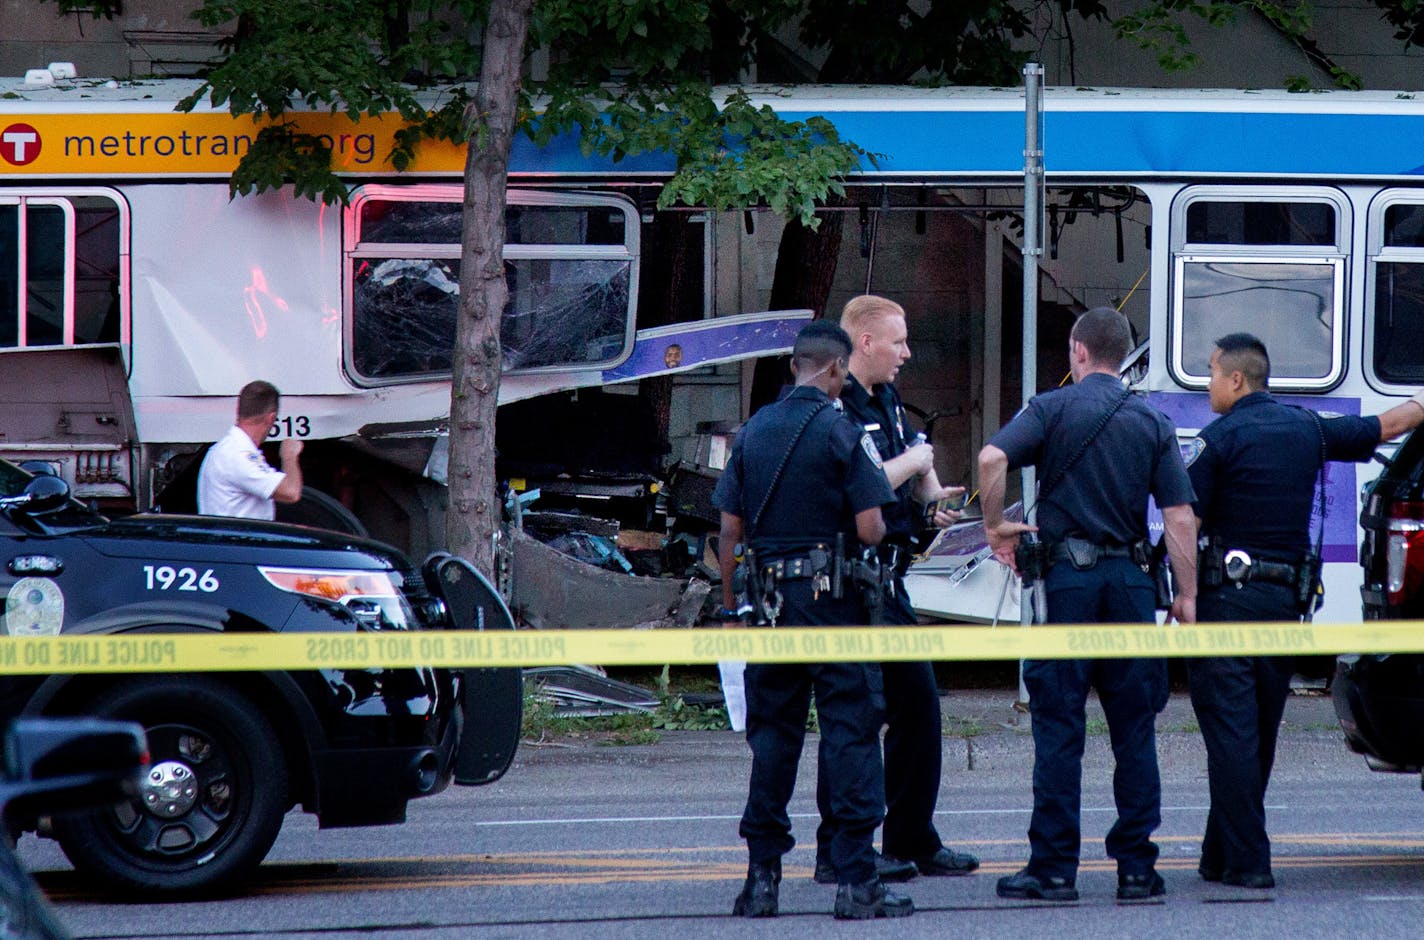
(474, 510)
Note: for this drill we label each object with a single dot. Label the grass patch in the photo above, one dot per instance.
(1097, 726)
(963, 727)
(1311, 726)
(541, 725)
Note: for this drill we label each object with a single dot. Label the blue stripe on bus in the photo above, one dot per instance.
(1085, 142)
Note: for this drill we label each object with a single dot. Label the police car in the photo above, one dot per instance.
(232, 752)
(1380, 698)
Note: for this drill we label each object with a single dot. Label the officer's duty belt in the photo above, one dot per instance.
(1238, 567)
(1058, 551)
(790, 569)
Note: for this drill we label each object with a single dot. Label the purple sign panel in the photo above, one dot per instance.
(1192, 410)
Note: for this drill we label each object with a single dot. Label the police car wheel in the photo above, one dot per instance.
(208, 808)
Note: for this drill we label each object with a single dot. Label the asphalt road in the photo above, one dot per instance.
(584, 840)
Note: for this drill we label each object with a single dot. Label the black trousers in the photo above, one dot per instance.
(1132, 692)
(914, 751)
(851, 707)
(1239, 701)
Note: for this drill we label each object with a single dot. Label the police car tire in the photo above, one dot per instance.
(169, 708)
(316, 508)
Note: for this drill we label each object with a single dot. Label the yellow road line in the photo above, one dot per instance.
(591, 867)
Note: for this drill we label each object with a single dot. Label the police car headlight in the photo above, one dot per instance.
(371, 596)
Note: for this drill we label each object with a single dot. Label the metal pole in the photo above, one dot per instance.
(1031, 599)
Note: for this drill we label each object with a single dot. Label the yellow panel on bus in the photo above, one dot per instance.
(198, 144)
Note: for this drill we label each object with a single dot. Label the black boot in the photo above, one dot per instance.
(870, 899)
(759, 894)
(887, 868)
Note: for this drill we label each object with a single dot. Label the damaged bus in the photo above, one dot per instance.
(136, 298)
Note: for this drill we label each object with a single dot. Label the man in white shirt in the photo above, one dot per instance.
(235, 479)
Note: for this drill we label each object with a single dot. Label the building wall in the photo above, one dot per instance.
(158, 37)
(1249, 53)
(150, 37)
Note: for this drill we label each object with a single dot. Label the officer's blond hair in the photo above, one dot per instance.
(861, 313)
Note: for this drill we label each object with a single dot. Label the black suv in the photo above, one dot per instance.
(233, 751)
(1380, 697)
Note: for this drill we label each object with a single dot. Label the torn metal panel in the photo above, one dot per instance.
(671, 349)
(550, 521)
(578, 691)
(553, 591)
(689, 609)
(957, 579)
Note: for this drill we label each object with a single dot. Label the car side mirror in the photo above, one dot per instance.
(54, 764)
(46, 493)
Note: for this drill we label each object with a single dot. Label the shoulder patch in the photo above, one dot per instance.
(1191, 450)
(871, 451)
(1330, 414)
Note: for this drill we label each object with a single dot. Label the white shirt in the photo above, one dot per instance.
(235, 479)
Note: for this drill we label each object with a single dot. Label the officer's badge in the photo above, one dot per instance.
(871, 451)
(1191, 450)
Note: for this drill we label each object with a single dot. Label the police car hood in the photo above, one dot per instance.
(235, 540)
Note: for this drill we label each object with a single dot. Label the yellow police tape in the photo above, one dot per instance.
(195, 652)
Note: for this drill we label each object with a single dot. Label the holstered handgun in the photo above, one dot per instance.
(1164, 581)
(762, 594)
(868, 574)
(1031, 557)
(1308, 593)
(1211, 563)
(755, 595)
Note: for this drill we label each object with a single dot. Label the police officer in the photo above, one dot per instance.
(800, 475)
(913, 743)
(1254, 471)
(1100, 453)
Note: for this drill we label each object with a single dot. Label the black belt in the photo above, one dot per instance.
(1239, 567)
(1058, 551)
(790, 569)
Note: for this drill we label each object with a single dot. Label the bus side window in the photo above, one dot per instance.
(9, 275)
(96, 271)
(1269, 261)
(65, 251)
(570, 265)
(1396, 336)
(45, 263)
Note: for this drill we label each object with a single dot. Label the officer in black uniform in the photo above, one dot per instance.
(913, 738)
(1254, 471)
(800, 475)
(1100, 452)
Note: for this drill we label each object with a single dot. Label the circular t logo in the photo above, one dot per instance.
(19, 144)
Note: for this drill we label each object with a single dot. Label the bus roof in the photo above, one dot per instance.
(79, 129)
